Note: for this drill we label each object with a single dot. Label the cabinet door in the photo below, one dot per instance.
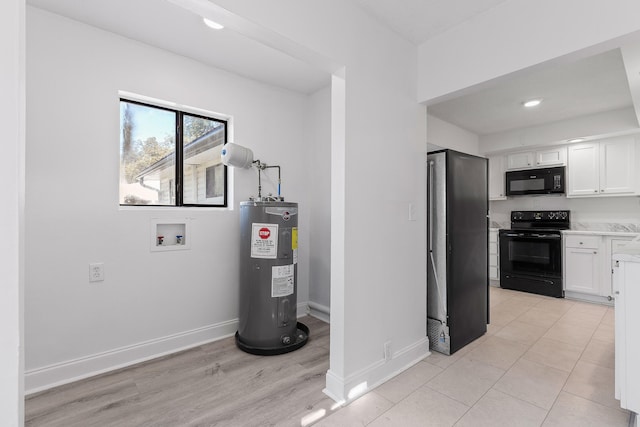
(620, 362)
(582, 271)
(613, 245)
(617, 159)
(627, 346)
(583, 170)
(551, 157)
(496, 178)
(522, 160)
(494, 272)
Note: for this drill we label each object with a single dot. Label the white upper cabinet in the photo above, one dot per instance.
(583, 174)
(617, 171)
(496, 177)
(522, 160)
(602, 168)
(556, 156)
(552, 157)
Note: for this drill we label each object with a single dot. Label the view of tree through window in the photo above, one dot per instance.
(165, 155)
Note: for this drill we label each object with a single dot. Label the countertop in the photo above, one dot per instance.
(592, 232)
(601, 233)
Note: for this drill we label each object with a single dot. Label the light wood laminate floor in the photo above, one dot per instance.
(544, 362)
(211, 385)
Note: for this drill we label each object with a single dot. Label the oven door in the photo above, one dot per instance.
(531, 253)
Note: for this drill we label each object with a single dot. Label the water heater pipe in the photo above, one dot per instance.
(262, 166)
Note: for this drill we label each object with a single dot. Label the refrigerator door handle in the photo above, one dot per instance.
(430, 190)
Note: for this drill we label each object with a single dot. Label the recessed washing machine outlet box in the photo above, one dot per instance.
(170, 234)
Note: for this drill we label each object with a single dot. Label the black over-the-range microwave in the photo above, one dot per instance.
(535, 181)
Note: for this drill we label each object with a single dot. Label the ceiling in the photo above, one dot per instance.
(585, 86)
(173, 26)
(419, 20)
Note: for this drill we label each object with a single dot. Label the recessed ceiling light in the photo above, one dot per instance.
(532, 103)
(212, 24)
(576, 140)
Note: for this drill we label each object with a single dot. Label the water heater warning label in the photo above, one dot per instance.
(294, 244)
(264, 241)
(281, 280)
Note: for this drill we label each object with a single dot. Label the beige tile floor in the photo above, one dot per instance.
(543, 362)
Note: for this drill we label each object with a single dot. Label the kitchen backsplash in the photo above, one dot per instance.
(585, 226)
(614, 214)
(605, 226)
(499, 224)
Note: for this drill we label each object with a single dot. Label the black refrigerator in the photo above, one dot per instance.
(457, 249)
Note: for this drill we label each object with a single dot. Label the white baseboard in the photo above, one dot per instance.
(47, 377)
(44, 378)
(344, 390)
(302, 309)
(319, 311)
(596, 299)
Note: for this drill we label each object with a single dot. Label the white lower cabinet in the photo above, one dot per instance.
(588, 265)
(626, 277)
(494, 265)
(582, 264)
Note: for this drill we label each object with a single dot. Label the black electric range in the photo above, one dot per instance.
(531, 252)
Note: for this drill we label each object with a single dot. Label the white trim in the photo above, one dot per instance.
(302, 309)
(47, 377)
(345, 390)
(320, 311)
(579, 296)
(131, 96)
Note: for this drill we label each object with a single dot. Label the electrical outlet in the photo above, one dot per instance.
(412, 212)
(387, 351)
(96, 272)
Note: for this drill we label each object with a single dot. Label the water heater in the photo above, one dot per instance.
(268, 278)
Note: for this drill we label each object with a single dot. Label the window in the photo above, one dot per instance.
(170, 157)
(215, 181)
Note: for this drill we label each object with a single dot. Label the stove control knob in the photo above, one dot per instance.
(552, 215)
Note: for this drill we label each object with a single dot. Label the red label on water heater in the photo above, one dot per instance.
(264, 233)
(264, 240)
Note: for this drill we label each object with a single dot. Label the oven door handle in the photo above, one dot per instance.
(547, 236)
(547, 281)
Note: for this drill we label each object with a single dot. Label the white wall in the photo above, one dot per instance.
(518, 34)
(383, 286)
(12, 211)
(150, 302)
(447, 135)
(592, 125)
(318, 166)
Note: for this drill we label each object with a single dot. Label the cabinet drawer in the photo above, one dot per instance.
(587, 242)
